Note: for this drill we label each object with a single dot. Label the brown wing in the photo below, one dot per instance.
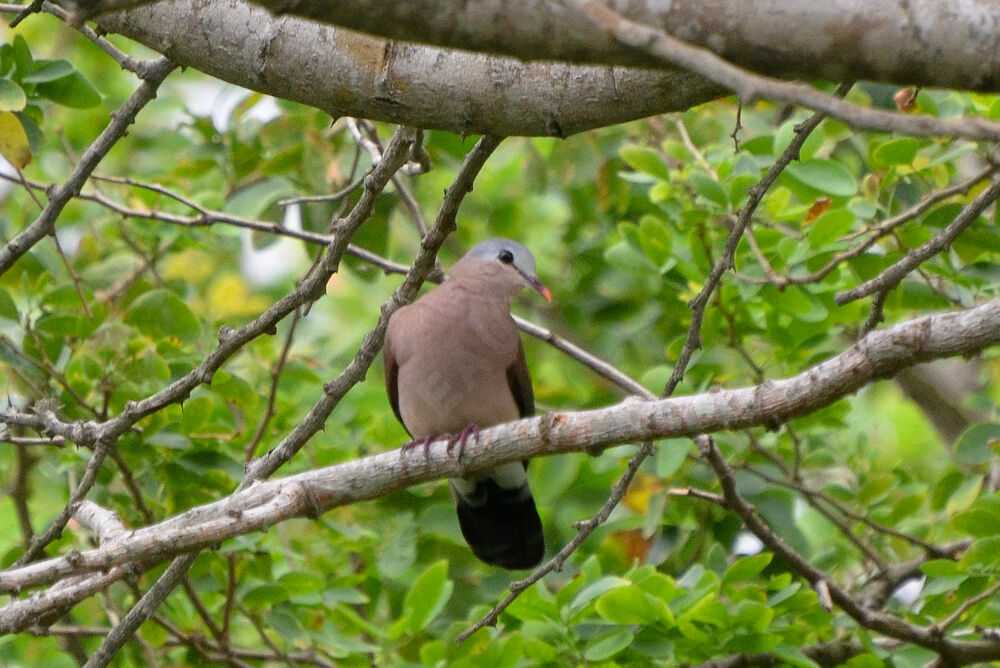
(519, 381)
(391, 379)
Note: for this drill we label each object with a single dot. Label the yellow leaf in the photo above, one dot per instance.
(641, 491)
(13, 141)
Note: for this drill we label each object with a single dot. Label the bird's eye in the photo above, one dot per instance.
(506, 256)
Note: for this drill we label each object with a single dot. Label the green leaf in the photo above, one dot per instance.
(655, 239)
(899, 151)
(595, 589)
(793, 656)
(709, 188)
(630, 605)
(168, 439)
(753, 615)
(264, 596)
(670, 455)
(161, 313)
(8, 309)
(982, 519)
(301, 582)
(941, 568)
(427, 597)
(607, 646)
(21, 53)
(866, 660)
(253, 200)
(48, 70)
(977, 522)
(976, 444)
(825, 176)
(830, 226)
(12, 98)
(746, 568)
(70, 91)
(646, 160)
(983, 554)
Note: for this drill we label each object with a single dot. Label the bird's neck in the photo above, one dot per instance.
(482, 289)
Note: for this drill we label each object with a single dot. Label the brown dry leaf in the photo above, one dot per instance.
(635, 545)
(906, 100)
(819, 206)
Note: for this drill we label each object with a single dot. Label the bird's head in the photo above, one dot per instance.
(505, 264)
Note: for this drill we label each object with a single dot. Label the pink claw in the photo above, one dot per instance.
(461, 438)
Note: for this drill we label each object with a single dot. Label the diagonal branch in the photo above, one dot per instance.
(892, 276)
(258, 506)
(750, 86)
(332, 392)
(887, 624)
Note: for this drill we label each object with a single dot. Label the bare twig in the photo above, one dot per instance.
(891, 277)
(880, 622)
(968, 604)
(754, 197)
(269, 412)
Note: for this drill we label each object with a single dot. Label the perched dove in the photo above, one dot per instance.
(454, 364)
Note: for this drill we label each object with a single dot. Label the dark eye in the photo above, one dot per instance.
(506, 256)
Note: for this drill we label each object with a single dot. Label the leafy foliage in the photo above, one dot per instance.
(627, 223)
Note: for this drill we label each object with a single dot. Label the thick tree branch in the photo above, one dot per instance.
(946, 43)
(878, 355)
(347, 73)
(750, 86)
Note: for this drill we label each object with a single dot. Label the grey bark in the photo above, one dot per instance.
(350, 74)
(518, 90)
(948, 43)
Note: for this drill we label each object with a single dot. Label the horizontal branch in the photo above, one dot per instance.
(945, 43)
(878, 355)
(346, 73)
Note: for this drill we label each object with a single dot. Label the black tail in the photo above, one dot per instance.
(501, 525)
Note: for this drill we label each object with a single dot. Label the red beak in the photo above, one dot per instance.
(539, 287)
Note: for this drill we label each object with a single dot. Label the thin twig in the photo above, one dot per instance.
(891, 276)
(967, 605)
(584, 529)
(115, 130)
(276, 371)
(754, 197)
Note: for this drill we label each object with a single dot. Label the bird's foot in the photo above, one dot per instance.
(424, 441)
(461, 438)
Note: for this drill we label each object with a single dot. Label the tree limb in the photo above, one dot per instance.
(946, 43)
(350, 74)
(259, 506)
